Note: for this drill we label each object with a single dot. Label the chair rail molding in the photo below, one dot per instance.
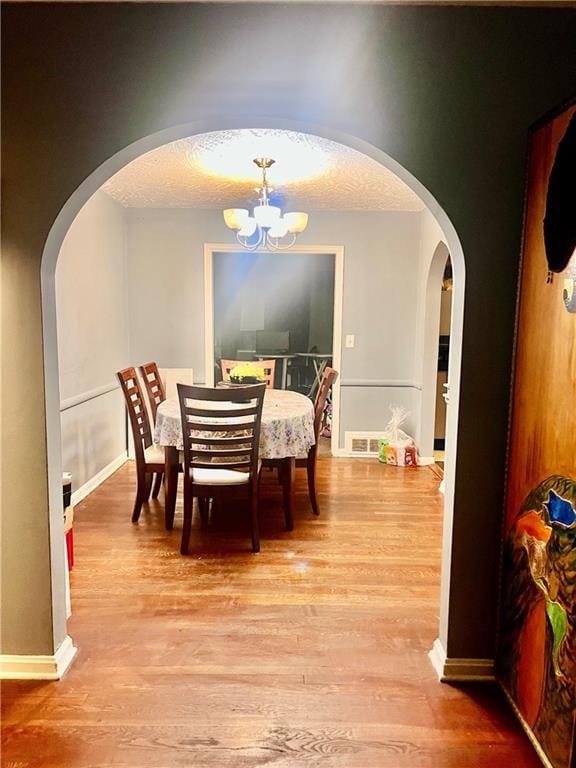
(84, 397)
(399, 383)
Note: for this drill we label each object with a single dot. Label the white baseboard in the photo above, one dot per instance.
(342, 453)
(460, 670)
(527, 730)
(38, 667)
(98, 478)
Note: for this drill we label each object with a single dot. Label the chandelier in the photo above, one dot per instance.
(267, 227)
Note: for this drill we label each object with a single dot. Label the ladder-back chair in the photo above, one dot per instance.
(268, 366)
(154, 386)
(329, 376)
(221, 434)
(156, 394)
(149, 457)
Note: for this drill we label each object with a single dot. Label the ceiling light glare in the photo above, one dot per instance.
(229, 154)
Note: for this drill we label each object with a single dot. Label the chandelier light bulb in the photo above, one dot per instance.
(235, 218)
(280, 229)
(267, 215)
(296, 221)
(249, 227)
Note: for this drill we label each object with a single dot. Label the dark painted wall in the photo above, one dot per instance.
(448, 92)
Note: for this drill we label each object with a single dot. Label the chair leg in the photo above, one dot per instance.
(171, 485)
(311, 472)
(187, 526)
(148, 487)
(288, 466)
(137, 506)
(203, 507)
(142, 492)
(157, 484)
(254, 520)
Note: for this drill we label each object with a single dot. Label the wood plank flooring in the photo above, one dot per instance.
(312, 653)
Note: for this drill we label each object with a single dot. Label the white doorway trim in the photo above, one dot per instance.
(432, 296)
(331, 250)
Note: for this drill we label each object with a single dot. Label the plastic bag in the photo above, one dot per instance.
(393, 433)
(395, 446)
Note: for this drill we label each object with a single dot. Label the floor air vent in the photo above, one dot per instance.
(361, 443)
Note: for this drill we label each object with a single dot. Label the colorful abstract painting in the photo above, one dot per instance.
(537, 636)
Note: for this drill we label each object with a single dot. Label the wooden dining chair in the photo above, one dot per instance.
(268, 366)
(156, 393)
(149, 457)
(221, 434)
(329, 376)
(154, 386)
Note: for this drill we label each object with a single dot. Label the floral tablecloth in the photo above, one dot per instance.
(287, 424)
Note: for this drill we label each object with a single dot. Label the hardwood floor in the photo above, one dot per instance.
(312, 653)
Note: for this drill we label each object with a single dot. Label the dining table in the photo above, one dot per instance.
(286, 433)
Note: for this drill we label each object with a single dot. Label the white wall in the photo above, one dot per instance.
(381, 277)
(382, 287)
(93, 340)
(130, 288)
(166, 286)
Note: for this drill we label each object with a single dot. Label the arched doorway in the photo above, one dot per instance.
(50, 256)
(432, 311)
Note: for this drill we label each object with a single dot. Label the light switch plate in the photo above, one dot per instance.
(349, 343)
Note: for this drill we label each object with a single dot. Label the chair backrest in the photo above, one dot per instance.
(328, 378)
(154, 386)
(221, 427)
(137, 412)
(268, 366)
(172, 376)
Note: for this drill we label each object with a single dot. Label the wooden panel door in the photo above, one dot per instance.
(537, 639)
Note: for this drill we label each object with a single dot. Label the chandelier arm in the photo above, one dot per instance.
(246, 245)
(276, 246)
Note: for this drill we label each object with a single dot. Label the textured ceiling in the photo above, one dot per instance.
(215, 170)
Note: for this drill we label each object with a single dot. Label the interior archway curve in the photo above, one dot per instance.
(49, 260)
